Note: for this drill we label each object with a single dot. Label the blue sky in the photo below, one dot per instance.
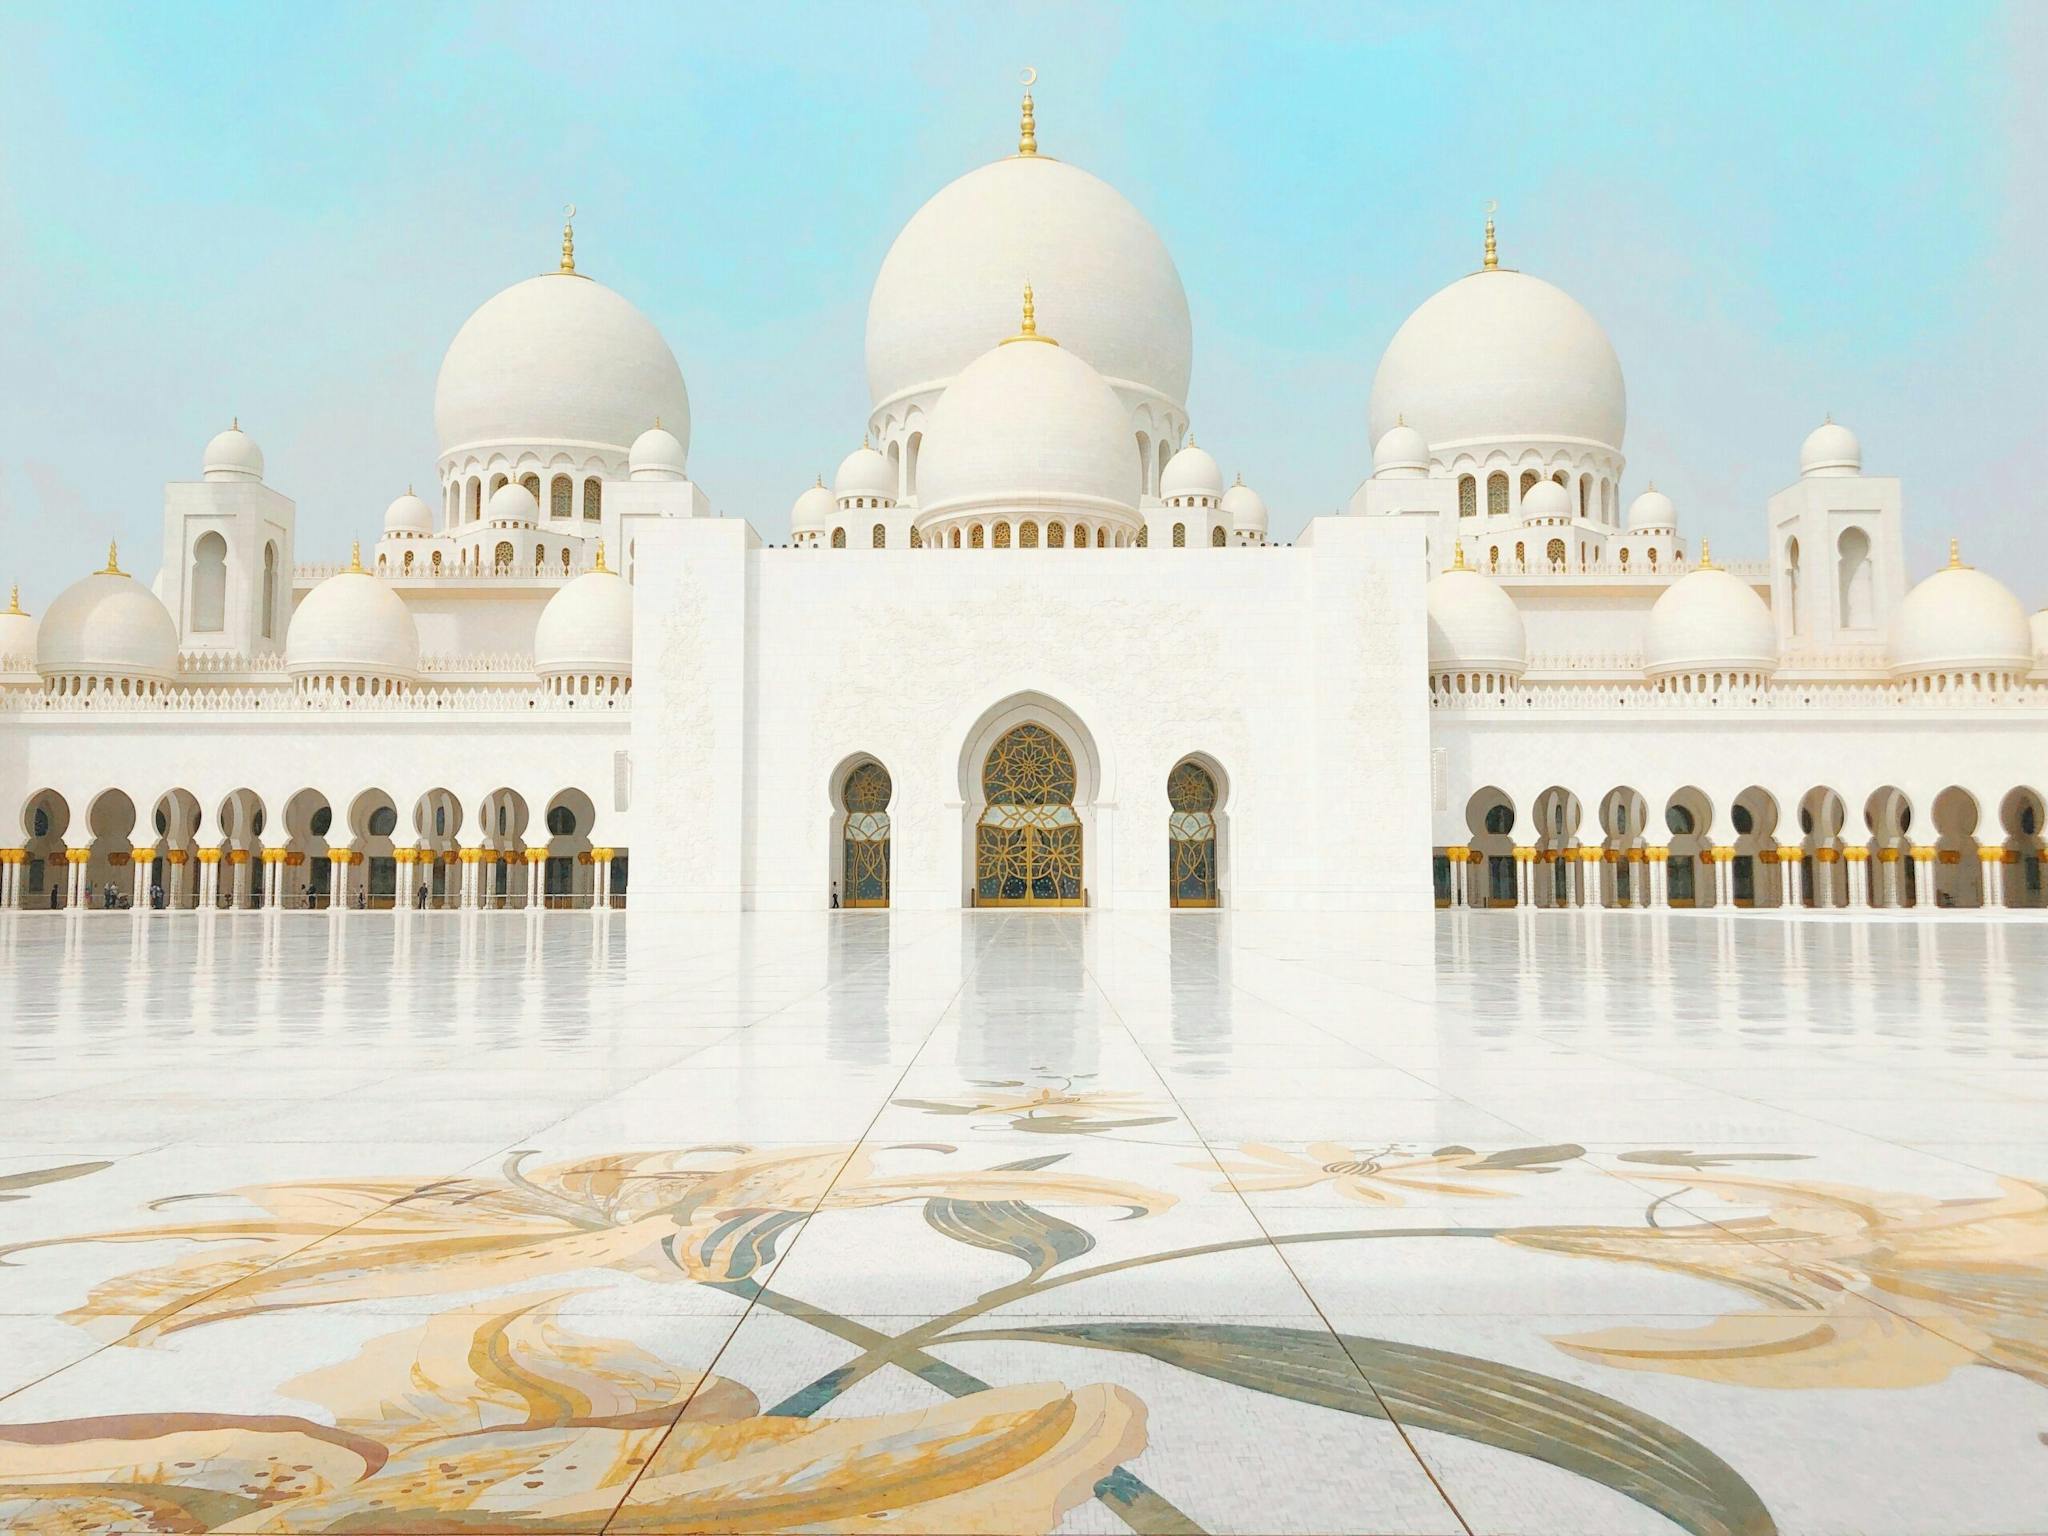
(284, 212)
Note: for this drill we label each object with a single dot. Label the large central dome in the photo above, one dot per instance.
(1498, 358)
(950, 282)
(557, 361)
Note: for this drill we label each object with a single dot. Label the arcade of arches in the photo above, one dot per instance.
(1826, 853)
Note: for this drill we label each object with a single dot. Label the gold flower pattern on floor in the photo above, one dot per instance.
(1383, 1175)
(1863, 1288)
(1061, 1111)
(508, 1420)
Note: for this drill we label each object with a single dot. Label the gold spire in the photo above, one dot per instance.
(1028, 329)
(1707, 557)
(1492, 251)
(355, 557)
(600, 556)
(1027, 125)
(569, 239)
(657, 424)
(14, 602)
(234, 423)
(113, 567)
(1955, 555)
(1457, 554)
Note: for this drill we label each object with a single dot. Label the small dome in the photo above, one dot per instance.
(1028, 424)
(512, 503)
(813, 509)
(408, 514)
(2039, 625)
(1708, 620)
(1831, 449)
(1245, 507)
(108, 625)
(587, 627)
(1191, 472)
(1473, 624)
(657, 454)
(1652, 512)
(1546, 498)
(864, 472)
(232, 455)
(17, 639)
(354, 625)
(1400, 453)
(1960, 620)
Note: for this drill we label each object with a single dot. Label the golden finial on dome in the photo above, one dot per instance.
(600, 556)
(113, 566)
(657, 424)
(1492, 251)
(569, 238)
(1707, 556)
(234, 423)
(1027, 126)
(1027, 330)
(14, 601)
(355, 557)
(1457, 554)
(1955, 555)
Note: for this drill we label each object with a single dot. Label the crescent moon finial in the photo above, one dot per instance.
(1493, 205)
(1029, 77)
(568, 210)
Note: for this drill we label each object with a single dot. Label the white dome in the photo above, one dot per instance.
(864, 472)
(1831, 449)
(232, 455)
(1652, 512)
(1501, 357)
(1191, 472)
(408, 514)
(512, 503)
(1709, 620)
(1546, 498)
(355, 625)
(813, 509)
(108, 625)
(587, 627)
(657, 454)
(1959, 620)
(2039, 624)
(1400, 452)
(17, 639)
(1028, 423)
(1473, 625)
(948, 286)
(1245, 508)
(557, 361)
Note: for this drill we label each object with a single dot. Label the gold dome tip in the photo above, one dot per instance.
(234, 423)
(1457, 554)
(657, 424)
(14, 600)
(1492, 249)
(600, 556)
(1027, 328)
(1955, 555)
(1707, 556)
(568, 239)
(1027, 123)
(113, 566)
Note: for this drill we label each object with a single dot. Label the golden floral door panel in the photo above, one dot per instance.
(1191, 836)
(865, 866)
(1027, 846)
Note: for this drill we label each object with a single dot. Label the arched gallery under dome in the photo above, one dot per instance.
(1031, 644)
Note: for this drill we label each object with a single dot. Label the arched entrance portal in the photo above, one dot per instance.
(864, 862)
(1191, 836)
(1027, 845)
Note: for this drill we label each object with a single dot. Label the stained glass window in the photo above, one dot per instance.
(593, 499)
(1002, 535)
(1180, 535)
(1497, 494)
(1028, 842)
(1055, 535)
(865, 868)
(1027, 536)
(1216, 537)
(1191, 835)
(561, 496)
(1468, 496)
(879, 538)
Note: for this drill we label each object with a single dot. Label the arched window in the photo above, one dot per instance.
(1191, 836)
(1180, 535)
(1529, 478)
(532, 486)
(1624, 558)
(1855, 579)
(1216, 537)
(865, 847)
(540, 557)
(1162, 452)
(955, 540)
(561, 497)
(1055, 535)
(1027, 845)
(910, 457)
(1792, 585)
(1144, 538)
(839, 538)
(878, 537)
(1468, 496)
(1521, 554)
(1027, 535)
(565, 560)
(437, 562)
(1493, 558)
(1002, 535)
(974, 537)
(209, 583)
(476, 500)
(1585, 495)
(497, 484)
(1145, 463)
(593, 499)
(1653, 559)
(1554, 553)
(1102, 538)
(501, 558)
(916, 539)
(1562, 479)
(1497, 494)
(271, 589)
(408, 563)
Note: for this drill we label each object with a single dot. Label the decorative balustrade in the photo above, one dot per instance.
(1586, 661)
(229, 663)
(448, 571)
(1757, 571)
(1775, 697)
(529, 698)
(488, 662)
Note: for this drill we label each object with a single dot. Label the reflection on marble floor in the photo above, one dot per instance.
(954, 1223)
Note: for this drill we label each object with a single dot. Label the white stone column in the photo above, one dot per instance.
(1656, 876)
(337, 881)
(1858, 861)
(601, 879)
(536, 877)
(1991, 866)
(1454, 858)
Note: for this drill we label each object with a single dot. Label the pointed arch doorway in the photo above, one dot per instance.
(1028, 841)
(864, 863)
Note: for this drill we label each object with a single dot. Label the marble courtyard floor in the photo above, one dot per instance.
(953, 1222)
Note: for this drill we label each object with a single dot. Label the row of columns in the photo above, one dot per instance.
(1884, 886)
(242, 873)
